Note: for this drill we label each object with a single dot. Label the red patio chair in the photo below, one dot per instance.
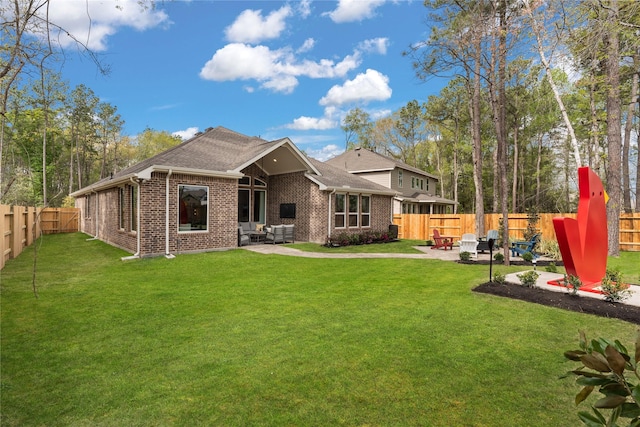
(441, 242)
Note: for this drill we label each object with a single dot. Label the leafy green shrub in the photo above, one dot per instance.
(551, 268)
(550, 248)
(527, 256)
(572, 283)
(613, 287)
(499, 278)
(363, 238)
(465, 256)
(603, 365)
(429, 242)
(529, 278)
(499, 257)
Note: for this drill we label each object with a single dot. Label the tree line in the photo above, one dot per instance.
(536, 90)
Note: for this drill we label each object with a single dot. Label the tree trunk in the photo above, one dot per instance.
(614, 183)
(514, 184)
(477, 138)
(556, 93)
(628, 127)
(502, 125)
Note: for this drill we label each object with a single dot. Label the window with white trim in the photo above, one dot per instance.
(400, 178)
(339, 211)
(353, 210)
(365, 211)
(194, 207)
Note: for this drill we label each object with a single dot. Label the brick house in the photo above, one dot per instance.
(191, 197)
(416, 190)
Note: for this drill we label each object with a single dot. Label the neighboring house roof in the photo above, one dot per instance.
(333, 178)
(224, 153)
(425, 198)
(361, 160)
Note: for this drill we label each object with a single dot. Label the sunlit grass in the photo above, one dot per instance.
(238, 338)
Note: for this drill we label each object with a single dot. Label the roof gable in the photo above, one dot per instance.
(362, 160)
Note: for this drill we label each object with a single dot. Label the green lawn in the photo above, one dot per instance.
(238, 338)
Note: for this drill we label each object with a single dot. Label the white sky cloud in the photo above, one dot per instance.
(92, 22)
(367, 87)
(308, 123)
(325, 153)
(275, 69)
(304, 8)
(354, 10)
(186, 134)
(377, 45)
(307, 45)
(251, 27)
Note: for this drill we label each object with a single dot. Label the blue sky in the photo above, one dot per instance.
(266, 68)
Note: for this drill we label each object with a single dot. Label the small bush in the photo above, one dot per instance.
(465, 256)
(552, 268)
(572, 283)
(363, 238)
(550, 249)
(527, 256)
(499, 257)
(429, 242)
(613, 287)
(499, 278)
(529, 278)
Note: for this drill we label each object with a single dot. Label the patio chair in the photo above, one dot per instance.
(275, 234)
(441, 242)
(243, 237)
(484, 243)
(469, 243)
(520, 248)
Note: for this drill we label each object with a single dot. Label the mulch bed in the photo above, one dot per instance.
(629, 313)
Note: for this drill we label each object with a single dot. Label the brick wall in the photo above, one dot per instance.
(222, 218)
(222, 230)
(311, 205)
(312, 208)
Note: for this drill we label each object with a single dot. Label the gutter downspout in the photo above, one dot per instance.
(137, 254)
(166, 219)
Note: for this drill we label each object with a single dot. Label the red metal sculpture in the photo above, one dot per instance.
(583, 241)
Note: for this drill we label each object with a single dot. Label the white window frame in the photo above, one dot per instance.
(364, 214)
(207, 215)
(400, 178)
(355, 213)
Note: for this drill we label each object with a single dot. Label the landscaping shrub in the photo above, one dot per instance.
(499, 278)
(550, 249)
(465, 256)
(499, 257)
(613, 287)
(527, 256)
(552, 267)
(572, 283)
(529, 278)
(363, 238)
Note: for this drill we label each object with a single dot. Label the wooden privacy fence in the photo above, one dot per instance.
(18, 224)
(420, 227)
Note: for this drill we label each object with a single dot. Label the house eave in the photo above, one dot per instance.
(145, 175)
